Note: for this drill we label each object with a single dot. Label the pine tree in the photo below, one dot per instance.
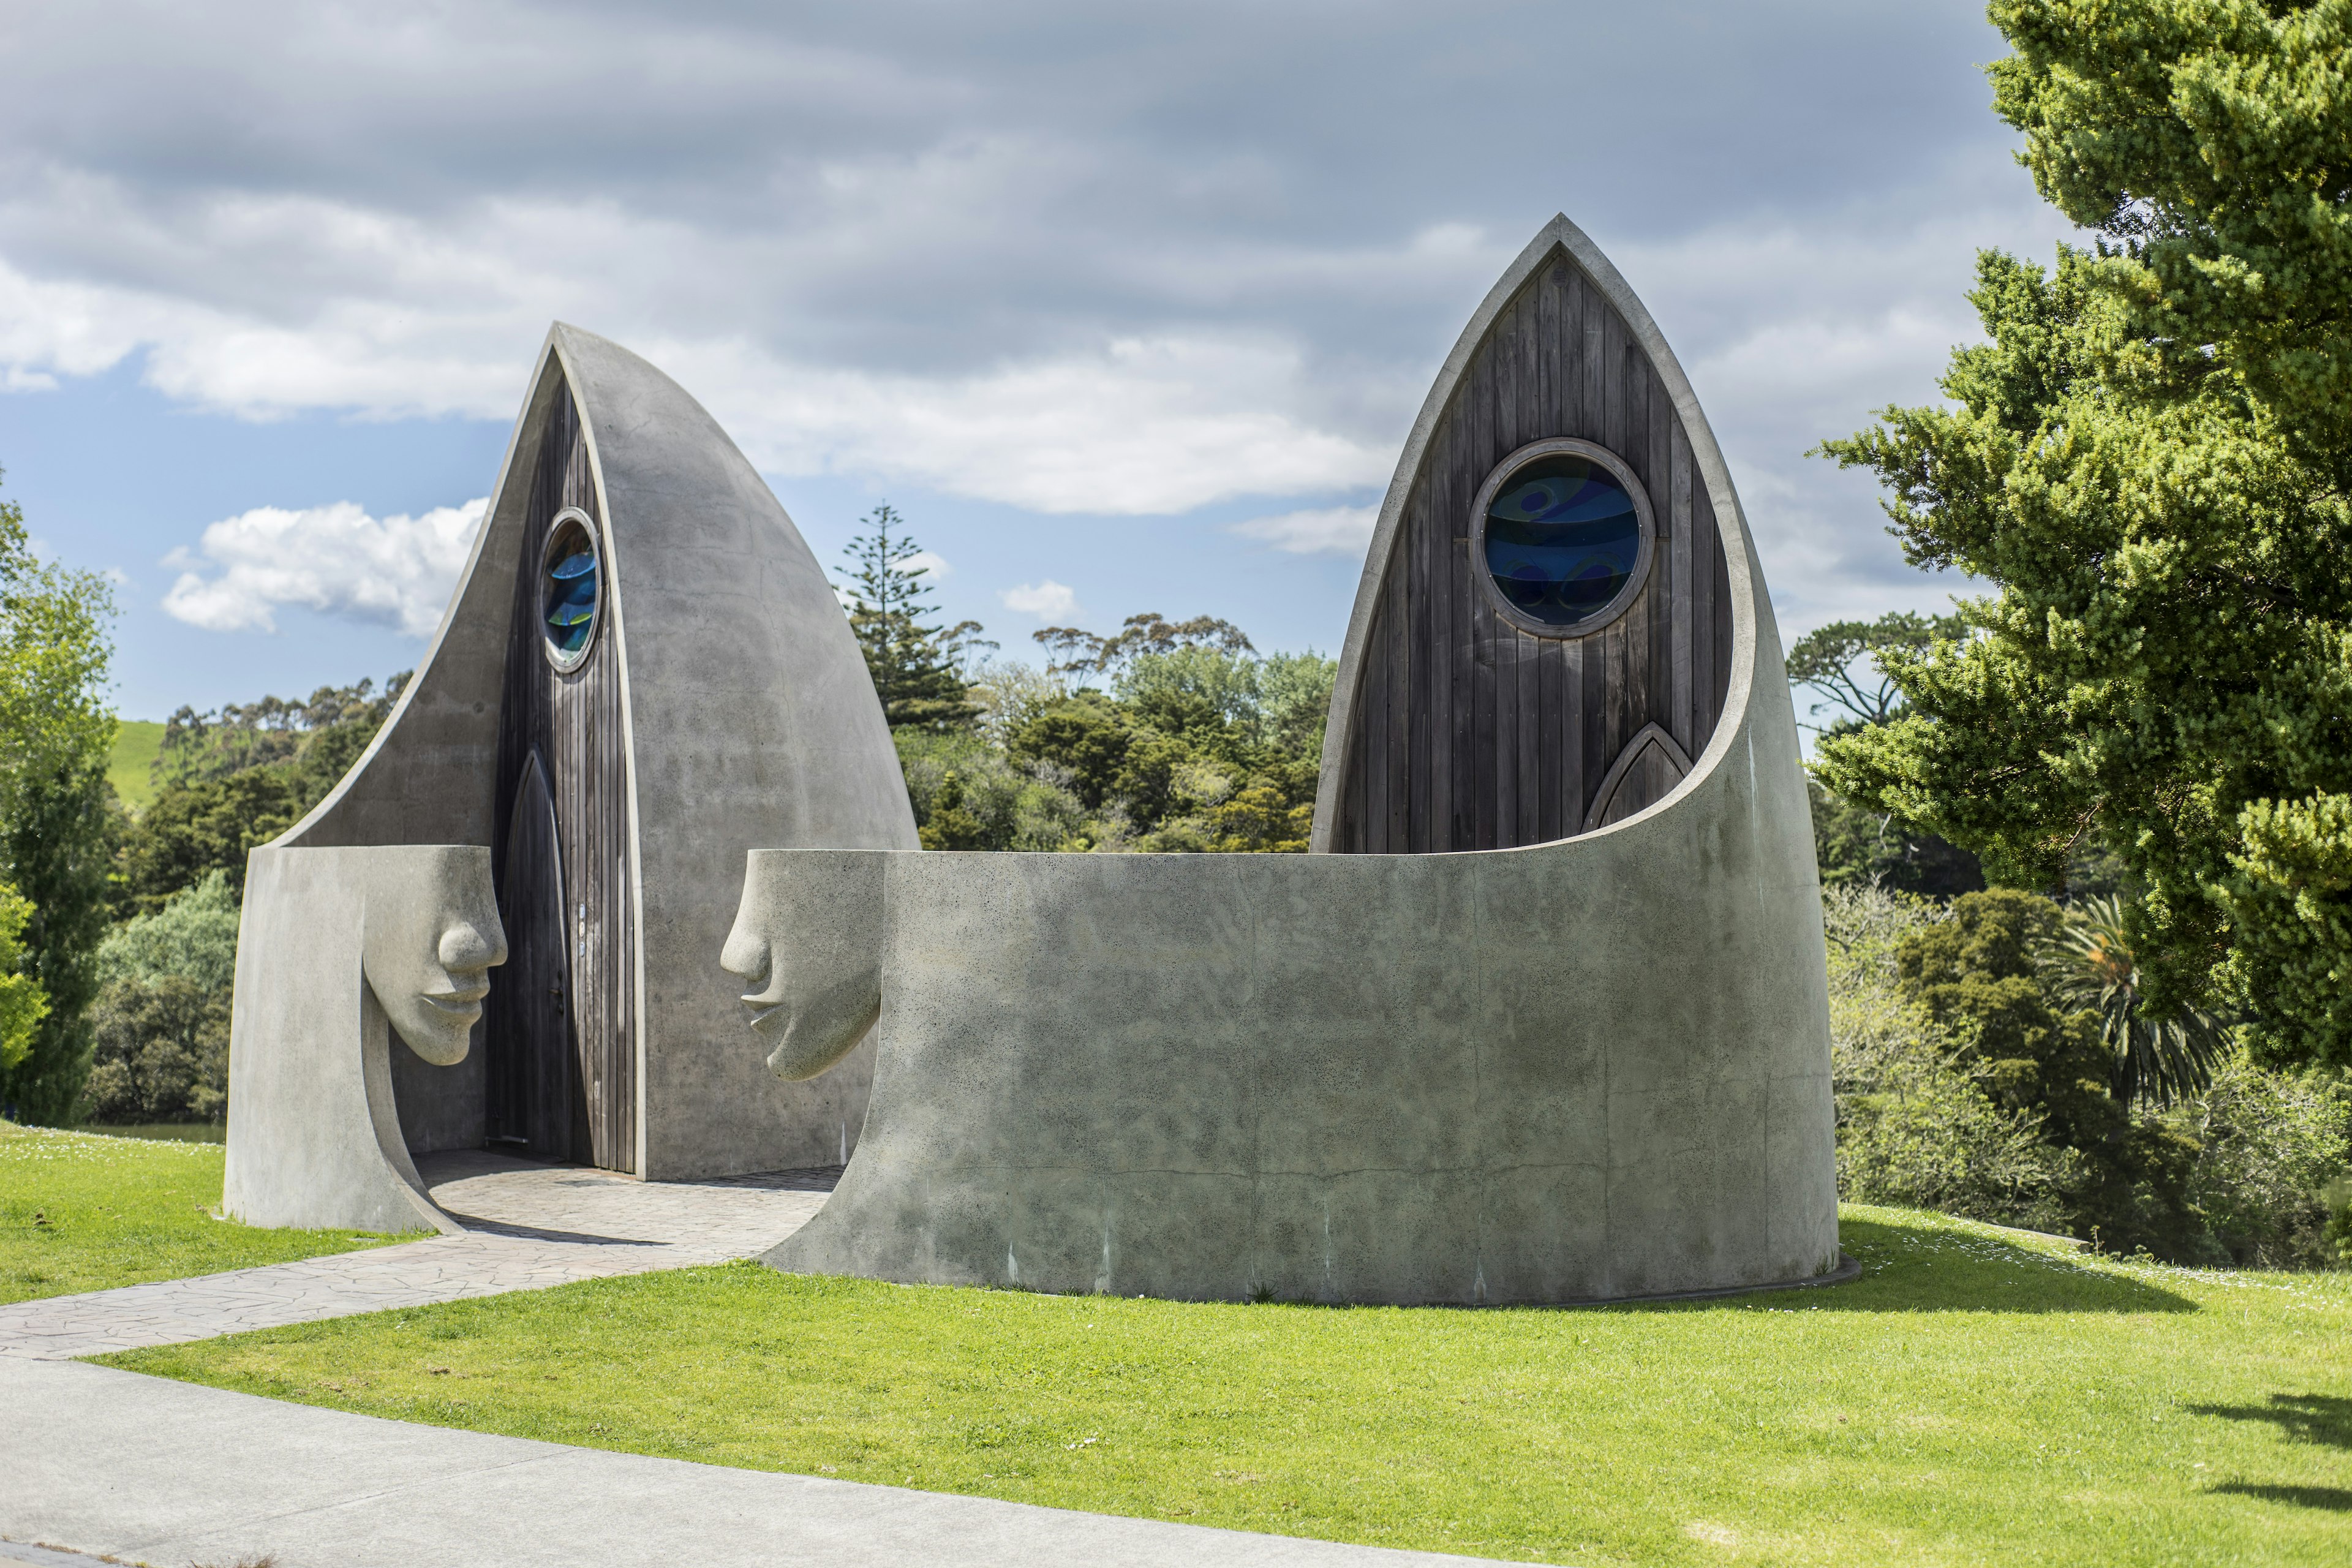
(916, 665)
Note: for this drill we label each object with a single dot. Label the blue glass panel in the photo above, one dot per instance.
(1562, 539)
(569, 596)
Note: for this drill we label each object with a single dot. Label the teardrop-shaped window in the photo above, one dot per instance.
(571, 589)
(1563, 530)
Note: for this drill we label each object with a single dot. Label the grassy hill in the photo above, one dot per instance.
(136, 743)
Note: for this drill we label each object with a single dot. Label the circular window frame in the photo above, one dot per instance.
(1619, 603)
(564, 663)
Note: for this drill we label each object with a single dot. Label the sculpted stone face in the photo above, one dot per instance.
(433, 936)
(807, 943)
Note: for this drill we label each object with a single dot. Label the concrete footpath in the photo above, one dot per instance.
(527, 1227)
(147, 1471)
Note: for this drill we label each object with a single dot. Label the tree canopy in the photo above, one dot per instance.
(57, 813)
(238, 777)
(2150, 462)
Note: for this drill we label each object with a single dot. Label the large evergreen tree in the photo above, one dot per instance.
(2150, 462)
(56, 825)
(916, 664)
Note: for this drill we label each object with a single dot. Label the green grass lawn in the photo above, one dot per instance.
(82, 1212)
(1977, 1397)
(137, 743)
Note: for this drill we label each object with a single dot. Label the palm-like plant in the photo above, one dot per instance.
(2089, 965)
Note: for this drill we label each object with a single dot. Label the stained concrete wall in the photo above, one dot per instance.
(751, 721)
(1581, 1071)
(1576, 1071)
(314, 1138)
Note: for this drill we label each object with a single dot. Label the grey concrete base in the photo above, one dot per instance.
(145, 1469)
(344, 957)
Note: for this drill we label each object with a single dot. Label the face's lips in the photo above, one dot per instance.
(466, 1001)
(762, 1009)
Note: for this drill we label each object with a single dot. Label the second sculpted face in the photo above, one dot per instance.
(807, 946)
(433, 936)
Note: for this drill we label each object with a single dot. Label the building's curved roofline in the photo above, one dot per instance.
(1752, 611)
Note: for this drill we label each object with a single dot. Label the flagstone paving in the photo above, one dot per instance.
(527, 1227)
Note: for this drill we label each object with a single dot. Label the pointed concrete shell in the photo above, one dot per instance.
(1588, 1069)
(749, 720)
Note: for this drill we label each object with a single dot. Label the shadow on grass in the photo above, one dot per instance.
(2300, 1419)
(1925, 1268)
(2333, 1499)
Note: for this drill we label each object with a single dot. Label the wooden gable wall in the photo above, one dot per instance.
(1469, 734)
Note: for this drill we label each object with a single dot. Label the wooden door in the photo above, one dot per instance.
(534, 1086)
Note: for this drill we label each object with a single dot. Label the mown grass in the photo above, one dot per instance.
(83, 1212)
(1976, 1397)
(129, 767)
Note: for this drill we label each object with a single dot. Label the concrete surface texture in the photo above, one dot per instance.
(1585, 1071)
(340, 949)
(525, 1227)
(751, 721)
(147, 1471)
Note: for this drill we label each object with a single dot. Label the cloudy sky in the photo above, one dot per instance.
(1124, 308)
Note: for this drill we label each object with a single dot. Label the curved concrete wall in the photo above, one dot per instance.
(1577, 1071)
(314, 1139)
(751, 721)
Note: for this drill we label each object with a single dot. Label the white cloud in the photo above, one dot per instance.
(926, 560)
(1137, 427)
(394, 570)
(1082, 266)
(1333, 531)
(1048, 600)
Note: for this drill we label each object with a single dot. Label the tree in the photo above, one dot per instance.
(1082, 654)
(23, 1003)
(1841, 661)
(1978, 976)
(917, 666)
(55, 827)
(2089, 966)
(236, 778)
(1843, 664)
(2150, 461)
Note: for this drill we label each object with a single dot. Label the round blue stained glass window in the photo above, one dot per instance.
(569, 588)
(1563, 538)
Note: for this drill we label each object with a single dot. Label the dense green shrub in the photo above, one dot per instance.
(2274, 1144)
(1964, 1083)
(160, 1051)
(968, 794)
(1915, 1125)
(1979, 976)
(1196, 747)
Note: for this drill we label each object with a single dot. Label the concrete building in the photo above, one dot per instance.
(1546, 1019)
(641, 673)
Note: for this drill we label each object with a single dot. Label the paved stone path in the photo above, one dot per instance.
(527, 1227)
(146, 1470)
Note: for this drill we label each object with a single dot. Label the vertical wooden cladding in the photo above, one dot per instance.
(562, 1079)
(1470, 733)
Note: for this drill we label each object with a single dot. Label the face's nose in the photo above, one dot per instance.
(745, 956)
(466, 946)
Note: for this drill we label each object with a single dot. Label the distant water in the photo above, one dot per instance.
(174, 1132)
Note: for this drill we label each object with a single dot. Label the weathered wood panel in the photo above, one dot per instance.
(570, 721)
(1470, 733)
